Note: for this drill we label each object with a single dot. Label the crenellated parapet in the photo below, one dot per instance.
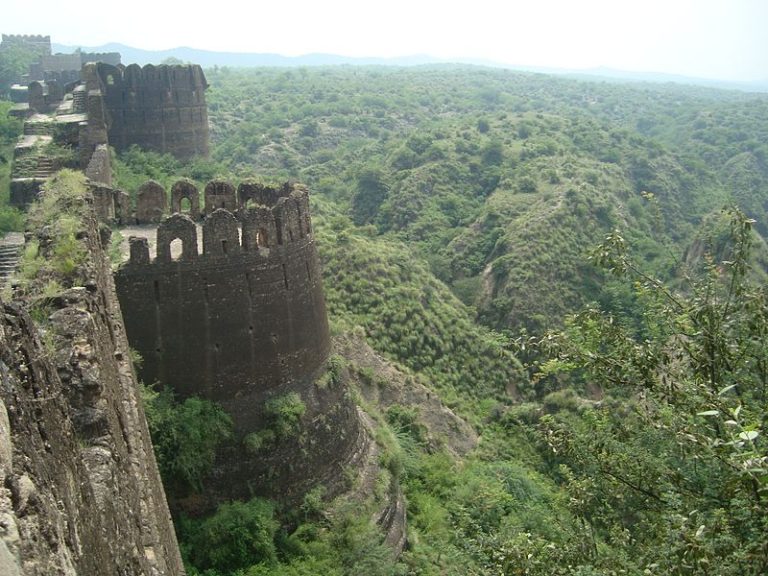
(236, 314)
(32, 42)
(159, 108)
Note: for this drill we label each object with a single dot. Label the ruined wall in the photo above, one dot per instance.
(239, 323)
(30, 42)
(80, 491)
(244, 316)
(159, 108)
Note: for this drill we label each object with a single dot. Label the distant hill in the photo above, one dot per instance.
(207, 58)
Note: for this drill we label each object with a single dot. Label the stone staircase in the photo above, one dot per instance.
(44, 167)
(38, 128)
(10, 250)
(79, 98)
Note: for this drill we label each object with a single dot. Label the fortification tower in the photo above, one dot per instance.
(159, 108)
(243, 323)
(245, 316)
(37, 44)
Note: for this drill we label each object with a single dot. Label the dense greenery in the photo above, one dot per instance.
(497, 186)
(10, 129)
(380, 286)
(48, 266)
(454, 209)
(670, 470)
(185, 436)
(501, 181)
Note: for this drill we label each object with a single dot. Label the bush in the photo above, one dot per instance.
(237, 536)
(185, 436)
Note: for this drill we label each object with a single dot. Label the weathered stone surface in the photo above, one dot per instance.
(240, 323)
(221, 236)
(99, 168)
(151, 203)
(219, 194)
(158, 108)
(80, 492)
(105, 201)
(233, 320)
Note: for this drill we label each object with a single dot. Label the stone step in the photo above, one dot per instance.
(10, 252)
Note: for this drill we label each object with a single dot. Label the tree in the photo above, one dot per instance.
(371, 191)
(671, 467)
(14, 61)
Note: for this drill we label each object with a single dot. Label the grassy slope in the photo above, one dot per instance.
(500, 181)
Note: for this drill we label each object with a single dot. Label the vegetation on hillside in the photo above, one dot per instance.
(455, 209)
(501, 181)
(10, 129)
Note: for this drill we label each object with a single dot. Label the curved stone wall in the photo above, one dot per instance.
(244, 316)
(159, 108)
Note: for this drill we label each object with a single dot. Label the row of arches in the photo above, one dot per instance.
(151, 77)
(151, 198)
(255, 229)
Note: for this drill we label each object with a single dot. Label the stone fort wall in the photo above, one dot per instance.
(33, 42)
(159, 108)
(244, 316)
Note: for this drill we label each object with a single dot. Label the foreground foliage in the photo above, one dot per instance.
(670, 469)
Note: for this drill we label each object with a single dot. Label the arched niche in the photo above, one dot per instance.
(221, 236)
(259, 229)
(181, 227)
(185, 190)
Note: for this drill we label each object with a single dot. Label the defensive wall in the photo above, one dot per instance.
(36, 43)
(159, 108)
(245, 315)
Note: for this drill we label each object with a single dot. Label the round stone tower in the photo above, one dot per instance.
(159, 108)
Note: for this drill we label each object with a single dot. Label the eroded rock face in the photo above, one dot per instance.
(79, 487)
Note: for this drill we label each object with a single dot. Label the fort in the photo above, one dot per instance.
(245, 315)
(228, 306)
(160, 108)
(232, 309)
(63, 68)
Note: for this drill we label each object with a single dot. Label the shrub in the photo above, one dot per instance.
(237, 536)
(186, 436)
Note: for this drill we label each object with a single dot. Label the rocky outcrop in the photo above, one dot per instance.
(383, 384)
(80, 489)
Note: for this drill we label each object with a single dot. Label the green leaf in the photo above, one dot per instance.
(749, 435)
(709, 413)
(726, 389)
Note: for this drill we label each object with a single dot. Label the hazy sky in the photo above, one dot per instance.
(723, 39)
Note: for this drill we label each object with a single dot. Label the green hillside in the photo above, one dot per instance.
(549, 258)
(501, 181)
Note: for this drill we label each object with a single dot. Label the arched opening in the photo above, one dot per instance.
(110, 80)
(262, 240)
(185, 205)
(223, 246)
(177, 249)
